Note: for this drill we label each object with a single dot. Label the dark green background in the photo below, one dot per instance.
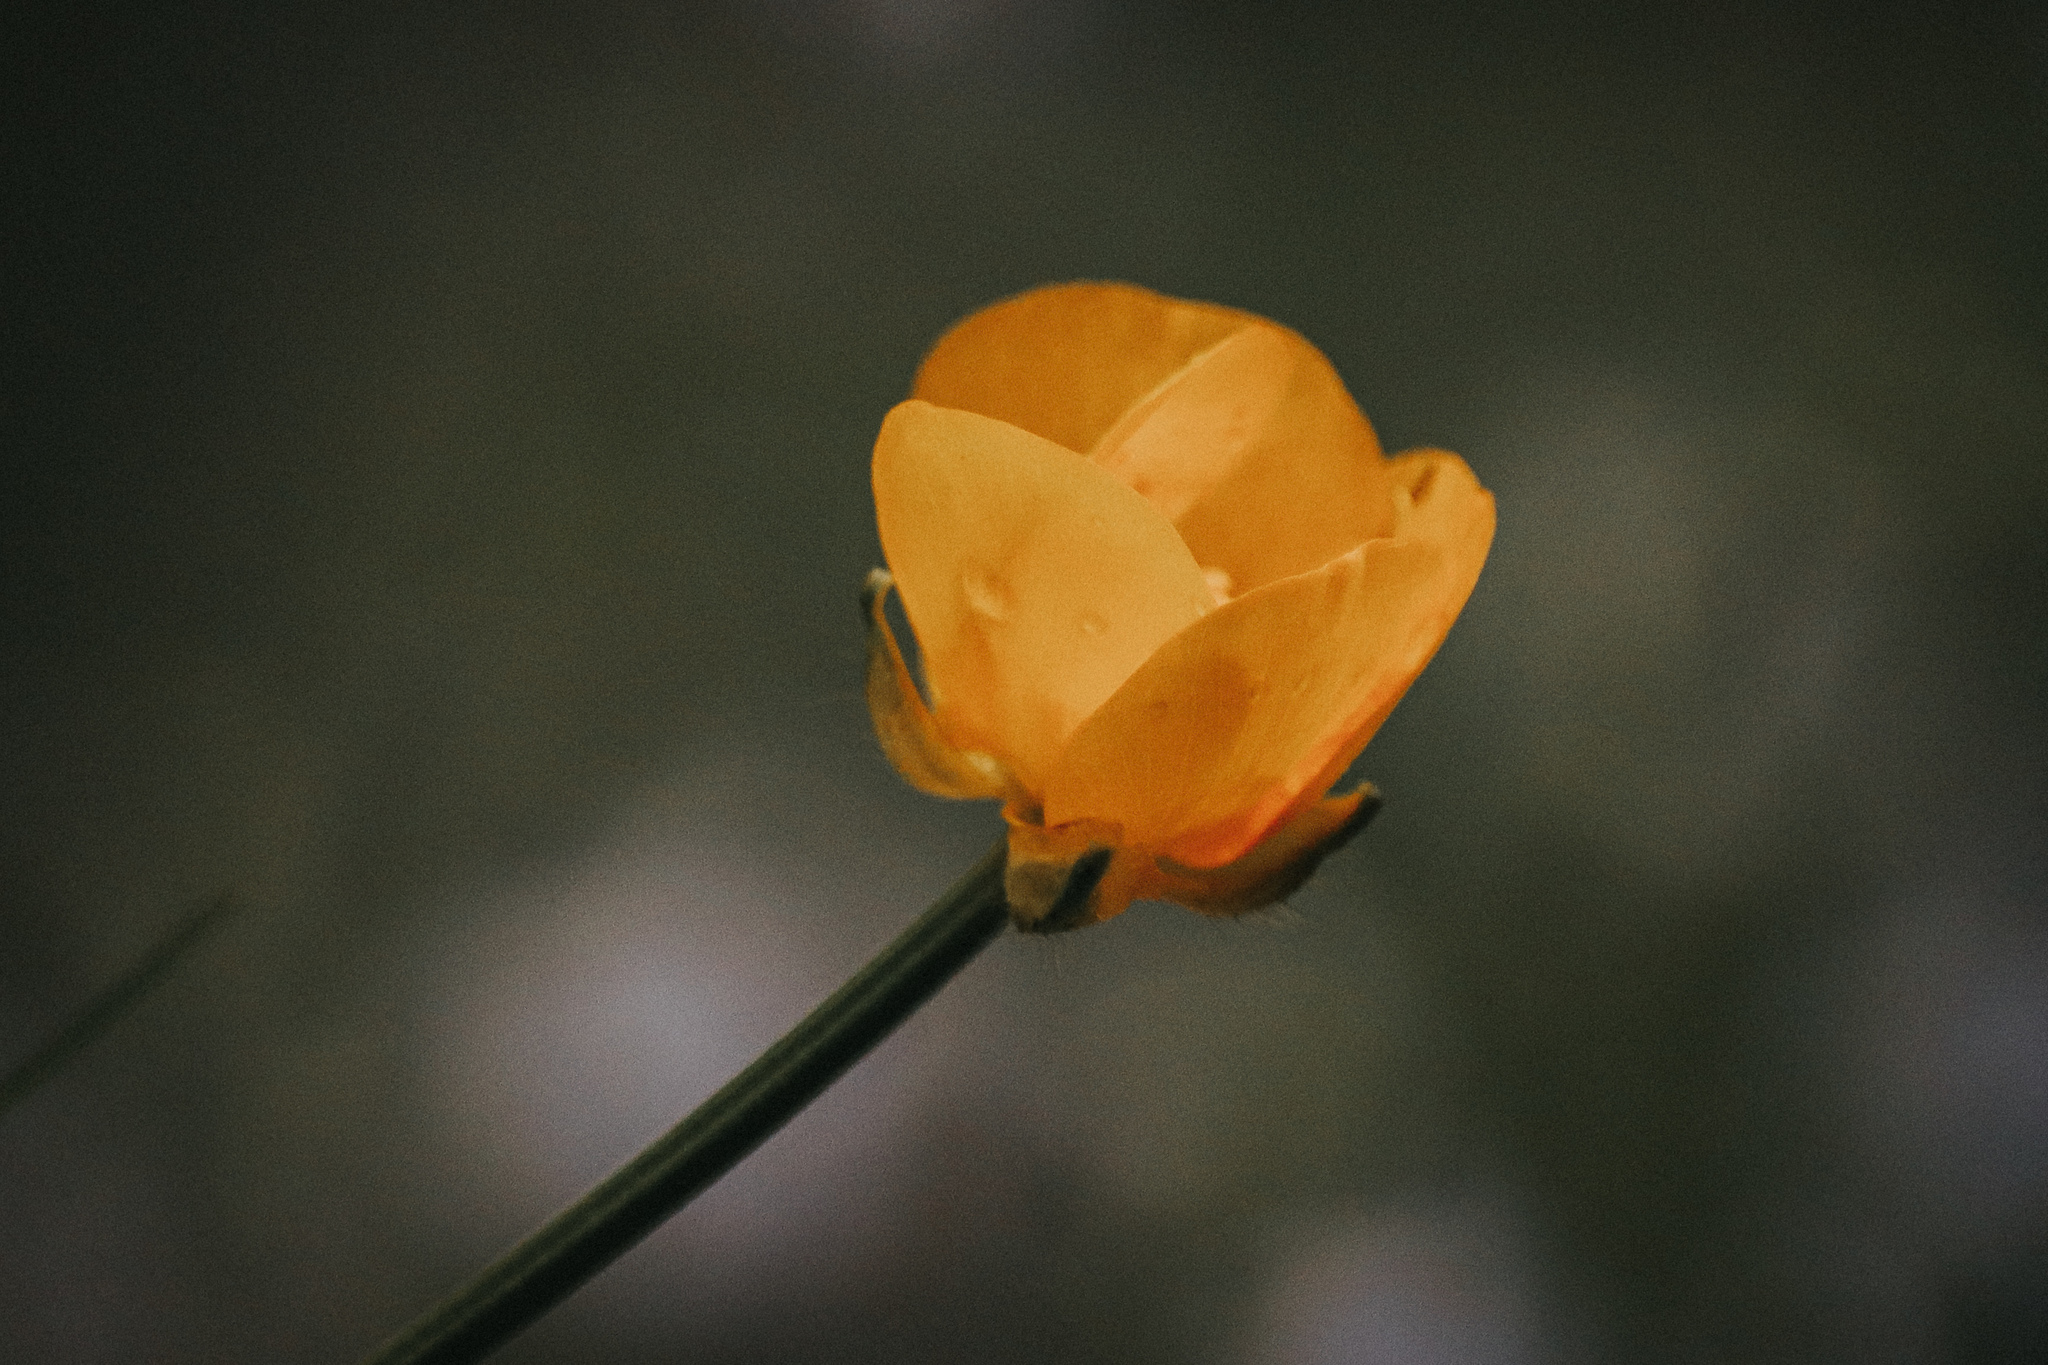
(435, 490)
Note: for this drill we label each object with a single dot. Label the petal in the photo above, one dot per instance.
(1250, 443)
(1187, 435)
(1282, 471)
(1066, 361)
(1036, 582)
(1250, 713)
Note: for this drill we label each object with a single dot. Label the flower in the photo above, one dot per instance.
(1165, 585)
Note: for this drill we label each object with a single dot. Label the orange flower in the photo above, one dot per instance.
(1166, 587)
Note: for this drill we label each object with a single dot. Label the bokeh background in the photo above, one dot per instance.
(435, 449)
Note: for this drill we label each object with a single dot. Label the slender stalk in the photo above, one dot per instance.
(588, 1235)
(123, 994)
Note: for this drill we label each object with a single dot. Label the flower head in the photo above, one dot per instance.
(1165, 585)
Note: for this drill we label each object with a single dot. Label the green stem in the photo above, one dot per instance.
(107, 1008)
(588, 1235)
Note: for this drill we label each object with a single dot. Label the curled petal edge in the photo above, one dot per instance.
(904, 726)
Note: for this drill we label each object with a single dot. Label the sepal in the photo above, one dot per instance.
(904, 724)
(1277, 865)
(1061, 877)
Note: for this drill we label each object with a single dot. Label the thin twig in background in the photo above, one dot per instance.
(107, 1008)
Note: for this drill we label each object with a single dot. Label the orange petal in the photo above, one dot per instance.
(1066, 361)
(1249, 442)
(1303, 480)
(1036, 581)
(1252, 711)
(1189, 433)
(904, 725)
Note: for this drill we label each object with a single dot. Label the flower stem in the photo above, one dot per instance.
(107, 1008)
(588, 1235)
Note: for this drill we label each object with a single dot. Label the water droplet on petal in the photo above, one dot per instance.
(1220, 584)
(986, 595)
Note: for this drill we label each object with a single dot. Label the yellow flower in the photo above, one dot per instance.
(1166, 587)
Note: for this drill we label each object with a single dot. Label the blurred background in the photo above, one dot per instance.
(435, 490)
